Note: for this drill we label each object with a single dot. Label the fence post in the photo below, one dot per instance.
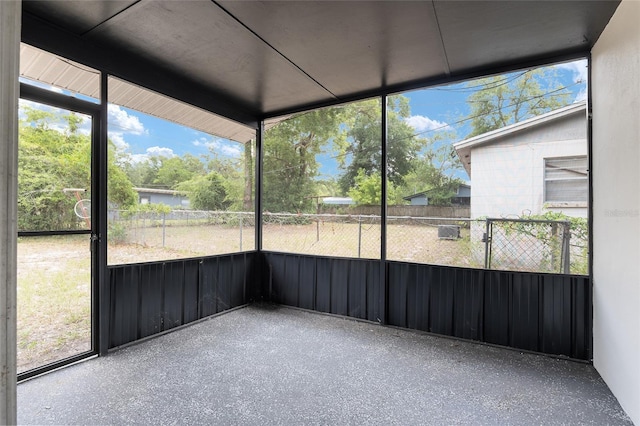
(359, 234)
(555, 245)
(164, 220)
(487, 246)
(240, 218)
(566, 248)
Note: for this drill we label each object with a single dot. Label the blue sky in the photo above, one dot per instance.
(140, 136)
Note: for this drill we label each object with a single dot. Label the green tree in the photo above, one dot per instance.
(175, 170)
(362, 149)
(119, 187)
(140, 173)
(367, 190)
(510, 98)
(290, 165)
(231, 171)
(435, 170)
(54, 157)
(206, 192)
(328, 188)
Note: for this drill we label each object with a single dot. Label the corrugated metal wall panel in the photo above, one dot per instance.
(497, 309)
(468, 304)
(307, 287)
(334, 285)
(173, 305)
(190, 291)
(150, 298)
(582, 331)
(224, 283)
(441, 306)
(123, 283)
(556, 315)
(356, 292)
(376, 296)
(526, 308)
(291, 281)
(340, 286)
(537, 312)
(322, 283)
(397, 303)
(150, 295)
(208, 288)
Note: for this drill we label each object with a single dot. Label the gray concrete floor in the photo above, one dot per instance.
(274, 365)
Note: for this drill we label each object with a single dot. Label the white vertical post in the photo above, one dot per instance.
(10, 22)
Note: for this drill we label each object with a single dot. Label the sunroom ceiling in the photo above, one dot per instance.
(247, 60)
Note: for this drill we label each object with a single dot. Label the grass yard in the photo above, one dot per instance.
(54, 299)
(411, 243)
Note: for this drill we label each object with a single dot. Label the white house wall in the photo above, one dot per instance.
(616, 206)
(507, 176)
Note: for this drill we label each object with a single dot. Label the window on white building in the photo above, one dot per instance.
(566, 180)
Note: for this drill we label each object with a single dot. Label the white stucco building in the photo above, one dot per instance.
(530, 167)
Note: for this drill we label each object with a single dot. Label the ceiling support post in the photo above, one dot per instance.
(10, 23)
(383, 206)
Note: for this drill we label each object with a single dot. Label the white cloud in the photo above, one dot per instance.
(230, 151)
(578, 68)
(218, 146)
(153, 151)
(422, 123)
(124, 122)
(118, 140)
(201, 142)
(580, 75)
(137, 158)
(160, 151)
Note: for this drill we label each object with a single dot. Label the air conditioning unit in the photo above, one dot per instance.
(448, 232)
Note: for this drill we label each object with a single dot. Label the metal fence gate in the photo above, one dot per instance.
(528, 245)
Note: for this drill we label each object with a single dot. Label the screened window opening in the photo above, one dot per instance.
(491, 173)
(322, 180)
(180, 179)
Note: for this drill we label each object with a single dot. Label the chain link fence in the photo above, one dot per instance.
(535, 245)
(521, 245)
(322, 234)
(152, 236)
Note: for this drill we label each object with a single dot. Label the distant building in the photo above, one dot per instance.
(462, 197)
(530, 167)
(162, 196)
(337, 201)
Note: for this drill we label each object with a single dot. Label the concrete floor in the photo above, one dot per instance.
(274, 365)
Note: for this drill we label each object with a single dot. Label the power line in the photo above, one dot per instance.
(552, 93)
